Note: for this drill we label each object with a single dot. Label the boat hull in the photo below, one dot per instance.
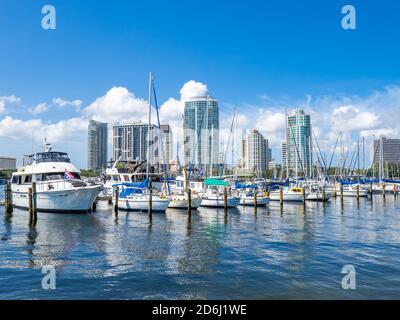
(182, 203)
(249, 201)
(290, 197)
(218, 202)
(318, 196)
(132, 204)
(67, 200)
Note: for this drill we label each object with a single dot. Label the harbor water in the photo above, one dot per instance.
(297, 252)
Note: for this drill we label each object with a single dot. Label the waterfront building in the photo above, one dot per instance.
(166, 140)
(283, 153)
(298, 149)
(386, 152)
(201, 131)
(97, 145)
(130, 142)
(255, 153)
(8, 163)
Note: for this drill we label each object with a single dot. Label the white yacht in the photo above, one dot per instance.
(58, 184)
(316, 193)
(247, 199)
(290, 195)
(179, 197)
(214, 195)
(134, 199)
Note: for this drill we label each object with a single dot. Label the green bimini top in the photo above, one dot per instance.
(215, 182)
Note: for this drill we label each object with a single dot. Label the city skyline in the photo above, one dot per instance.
(342, 81)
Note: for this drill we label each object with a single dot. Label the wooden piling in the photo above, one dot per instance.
(34, 202)
(150, 208)
(358, 192)
(281, 196)
(383, 190)
(30, 203)
(323, 194)
(8, 201)
(255, 201)
(116, 198)
(341, 192)
(189, 208)
(370, 190)
(303, 193)
(225, 199)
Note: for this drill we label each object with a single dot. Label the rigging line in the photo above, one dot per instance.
(319, 149)
(161, 142)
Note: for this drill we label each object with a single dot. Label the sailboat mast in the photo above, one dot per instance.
(148, 129)
(287, 145)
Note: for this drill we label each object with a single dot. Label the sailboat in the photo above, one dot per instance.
(214, 194)
(136, 196)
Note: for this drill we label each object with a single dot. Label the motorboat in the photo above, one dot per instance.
(59, 187)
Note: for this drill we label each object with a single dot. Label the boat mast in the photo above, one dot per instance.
(287, 145)
(148, 129)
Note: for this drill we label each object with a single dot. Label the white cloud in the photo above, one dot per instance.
(40, 108)
(193, 89)
(55, 132)
(4, 100)
(66, 103)
(118, 105)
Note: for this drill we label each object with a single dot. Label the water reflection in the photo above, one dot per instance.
(277, 252)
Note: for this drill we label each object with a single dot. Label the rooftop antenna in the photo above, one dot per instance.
(47, 146)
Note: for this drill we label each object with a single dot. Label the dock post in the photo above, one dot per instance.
(267, 192)
(150, 208)
(303, 193)
(281, 196)
(383, 190)
(8, 201)
(323, 194)
(34, 202)
(189, 208)
(395, 190)
(30, 206)
(116, 196)
(94, 206)
(358, 192)
(255, 201)
(341, 192)
(370, 190)
(225, 199)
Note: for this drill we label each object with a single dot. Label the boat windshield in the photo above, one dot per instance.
(51, 156)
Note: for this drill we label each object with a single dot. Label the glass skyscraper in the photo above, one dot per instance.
(299, 143)
(201, 131)
(97, 145)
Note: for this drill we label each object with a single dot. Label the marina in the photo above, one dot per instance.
(290, 252)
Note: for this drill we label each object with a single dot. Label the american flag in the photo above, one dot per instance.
(68, 175)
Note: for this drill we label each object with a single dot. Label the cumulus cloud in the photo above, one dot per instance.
(193, 89)
(66, 103)
(118, 105)
(4, 100)
(40, 108)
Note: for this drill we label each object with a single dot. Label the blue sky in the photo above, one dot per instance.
(251, 54)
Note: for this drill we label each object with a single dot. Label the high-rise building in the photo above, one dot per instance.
(255, 152)
(283, 153)
(130, 142)
(8, 163)
(387, 150)
(269, 156)
(97, 145)
(201, 131)
(166, 139)
(299, 142)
